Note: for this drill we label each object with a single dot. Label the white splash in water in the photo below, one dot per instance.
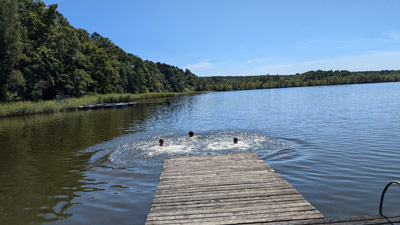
(146, 151)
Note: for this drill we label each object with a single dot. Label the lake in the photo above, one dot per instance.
(337, 145)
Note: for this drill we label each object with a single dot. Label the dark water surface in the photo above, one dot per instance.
(337, 145)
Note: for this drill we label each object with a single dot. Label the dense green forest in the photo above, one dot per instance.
(42, 55)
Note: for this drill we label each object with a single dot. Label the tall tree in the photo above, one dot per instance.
(12, 82)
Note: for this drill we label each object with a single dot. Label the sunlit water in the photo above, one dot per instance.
(337, 145)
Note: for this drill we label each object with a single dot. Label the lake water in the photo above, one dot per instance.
(337, 145)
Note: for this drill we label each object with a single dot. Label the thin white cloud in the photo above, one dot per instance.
(203, 65)
(390, 37)
(370, 61)
(378, 60)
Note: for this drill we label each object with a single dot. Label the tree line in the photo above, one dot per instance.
(311, 78)
(42, 55)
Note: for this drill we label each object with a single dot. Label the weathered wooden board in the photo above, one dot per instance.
(226, 189)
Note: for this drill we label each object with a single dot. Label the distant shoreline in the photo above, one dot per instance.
(310, 78)
(26, 108)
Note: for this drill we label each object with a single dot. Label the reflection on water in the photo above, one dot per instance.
(42, 169)
(337, 145)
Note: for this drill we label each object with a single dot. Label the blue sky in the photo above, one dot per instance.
(248, 37)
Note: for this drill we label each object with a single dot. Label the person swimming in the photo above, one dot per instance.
(191, 133)
(235, 140)
(161, 141)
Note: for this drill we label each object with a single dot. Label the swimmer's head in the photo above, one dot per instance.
(191, 134)
(235, 140)
(161, 141)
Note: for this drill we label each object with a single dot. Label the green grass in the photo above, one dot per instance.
(50, 106)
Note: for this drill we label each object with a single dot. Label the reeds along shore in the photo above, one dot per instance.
(49, 106)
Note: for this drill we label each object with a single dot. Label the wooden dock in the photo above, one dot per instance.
(235, 189)
(225, 189)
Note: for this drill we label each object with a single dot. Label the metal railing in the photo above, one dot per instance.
(383, 194)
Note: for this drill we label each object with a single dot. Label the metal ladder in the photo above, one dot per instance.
(383, 194)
